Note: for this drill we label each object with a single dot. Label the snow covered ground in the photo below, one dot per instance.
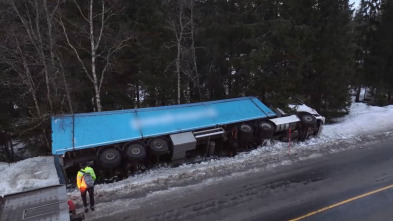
(363, 124)
(28, 174)
(361, 120)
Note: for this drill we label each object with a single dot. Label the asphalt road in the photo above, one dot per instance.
(355, 184)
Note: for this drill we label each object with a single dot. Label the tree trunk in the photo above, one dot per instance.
(358, 90)
(93, 59)
(12, 150)
(178, 71)
(33, 93)
(137, 91)
(66, 89)
(194, 59)
(41, 53)
(30, 81)
(37, 42)
(49, 17)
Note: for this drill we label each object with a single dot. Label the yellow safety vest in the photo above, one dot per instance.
(79, 181)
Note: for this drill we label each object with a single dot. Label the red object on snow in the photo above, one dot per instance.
(289, 139)
(71, 207)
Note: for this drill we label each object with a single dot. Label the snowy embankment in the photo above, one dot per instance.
(364, 123)
(28, 174)
(362, 120)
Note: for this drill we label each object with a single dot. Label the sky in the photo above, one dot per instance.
(357, 2)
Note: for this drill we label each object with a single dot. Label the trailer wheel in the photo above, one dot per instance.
(265, 126)
(245, 128)
(246, 133)
(134, 151)
(304, 133)
(307, 119)
(265, 129)
(110, 158)
(159, 146)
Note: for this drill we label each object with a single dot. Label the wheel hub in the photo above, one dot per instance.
(135, 151)
(159, 145)
(246, 128)
(266, 126)
(110, 156)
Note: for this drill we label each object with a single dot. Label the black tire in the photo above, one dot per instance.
(303, 134)
(158, 146)
(265, 126)
(307, 119)
(134, 151)
(265, 129)
(246, 132)
(110, 158)
(246, 128)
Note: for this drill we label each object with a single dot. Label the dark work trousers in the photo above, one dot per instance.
(91, 195)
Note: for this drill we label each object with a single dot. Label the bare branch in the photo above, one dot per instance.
(40, 51)
(76, 26)
(24, 22)
(66, 88)
(30, 24)
(30, 79)
(106, 12)
(103, 72)
(74, 49)
(102, 25)
(99, 45)
(54, 9)
(110, 53)
(80, 11)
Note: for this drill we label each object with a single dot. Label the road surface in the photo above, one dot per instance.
(354, 184)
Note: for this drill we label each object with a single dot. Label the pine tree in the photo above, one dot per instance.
(383, 49)
(329, 52)
(370, 12)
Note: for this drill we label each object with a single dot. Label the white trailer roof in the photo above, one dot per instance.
(285, 120)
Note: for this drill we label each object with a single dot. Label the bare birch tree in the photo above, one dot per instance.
(22, 63)
(36, 20)
(31, 24)
(181, 23)
(195, 74)
(28, 51)
(94, 26)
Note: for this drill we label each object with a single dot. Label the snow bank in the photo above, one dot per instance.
(361, 120)
(28, 174)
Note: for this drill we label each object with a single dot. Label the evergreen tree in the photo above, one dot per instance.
(329, 49)
(383, 51)
(370, 13)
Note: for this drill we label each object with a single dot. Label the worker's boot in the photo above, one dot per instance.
(92, 208)
(86, 209)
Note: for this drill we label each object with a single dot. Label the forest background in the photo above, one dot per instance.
(72, 56)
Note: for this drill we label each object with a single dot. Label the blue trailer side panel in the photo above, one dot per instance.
(174, 120)
(178, 118)
(263, 107)
(237, 111)
(62, 134)
(104, 128)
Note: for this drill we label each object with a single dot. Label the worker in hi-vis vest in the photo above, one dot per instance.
(85, 182)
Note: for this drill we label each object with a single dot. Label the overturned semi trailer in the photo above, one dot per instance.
(119, 142)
